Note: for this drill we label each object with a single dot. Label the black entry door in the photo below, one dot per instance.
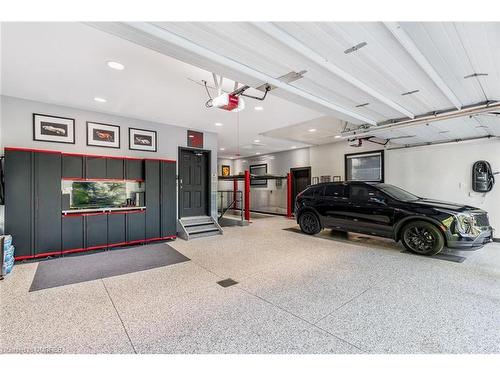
(301, 178)
(193, 176)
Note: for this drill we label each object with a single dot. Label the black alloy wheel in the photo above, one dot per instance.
(309, 223)
(421, 237)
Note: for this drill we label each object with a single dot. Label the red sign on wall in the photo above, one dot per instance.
(194, 139)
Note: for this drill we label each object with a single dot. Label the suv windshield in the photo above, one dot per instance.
(397, 193)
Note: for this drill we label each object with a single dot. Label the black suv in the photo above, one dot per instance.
(424, 226)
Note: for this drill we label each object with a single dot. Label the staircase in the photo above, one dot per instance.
(198, 226)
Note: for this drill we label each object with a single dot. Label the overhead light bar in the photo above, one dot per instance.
(308, 53)
(469, 111)
(362, 105)
(410, 92)
(172, 38)
(476, 75)
(355, 48)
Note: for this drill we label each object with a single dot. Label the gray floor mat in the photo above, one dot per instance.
(76, 269)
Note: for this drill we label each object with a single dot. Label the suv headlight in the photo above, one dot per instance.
(465, 223)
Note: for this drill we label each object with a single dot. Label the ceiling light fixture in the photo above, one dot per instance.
(256, 140)
(338, 136)
(294, 147)
(222, 149)
(100, 100)
(258, 108)
(311, 130)
(218, 124)
(362, 105)
(355, 48)
(257, 153)
(115, 65)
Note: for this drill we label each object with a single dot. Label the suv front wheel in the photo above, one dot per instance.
(309, 223)
(423, 238)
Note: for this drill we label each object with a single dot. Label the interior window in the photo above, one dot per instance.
(336, 190)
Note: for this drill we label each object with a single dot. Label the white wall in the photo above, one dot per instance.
(445, 172)
(17, 131)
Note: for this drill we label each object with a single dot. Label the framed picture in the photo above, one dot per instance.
(48, 128)
(337, 178)
(194, 139)
(226, 171)
(365, 166)
(258, 170)
(141, 140)
(103, 135)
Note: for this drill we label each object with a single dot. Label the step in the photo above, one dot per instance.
(200, 227)
(188, 225)
(187, 221)
(203, 230)
(203, 234)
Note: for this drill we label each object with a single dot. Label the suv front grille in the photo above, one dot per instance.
(481, 220)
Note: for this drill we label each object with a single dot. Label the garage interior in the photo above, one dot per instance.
(148, 215)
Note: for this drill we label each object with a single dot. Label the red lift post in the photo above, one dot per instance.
(247, 195)
(289, 210)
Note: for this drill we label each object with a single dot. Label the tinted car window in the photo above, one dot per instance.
(336, 190)
(364, 193)
(314, 191)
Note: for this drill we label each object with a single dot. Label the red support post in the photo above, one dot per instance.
(289, 208)
(235, 189)
(247, 195)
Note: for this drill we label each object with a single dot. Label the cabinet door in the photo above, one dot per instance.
(19, 200)
(134, 169)
(152, 174)
(136, 226)
(95, 167)
(96, 230)
(115, 168)
(116, 228)
(72, 232)
(47, 202)
(168, 199)
(72, 166)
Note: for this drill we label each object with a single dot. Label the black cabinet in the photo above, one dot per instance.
(115, 168)
(73, 236)
(19, 200)
(116, 228)
(134, 169)
(73, 166)
(95, 167)
(136, 226)
(152, 195)
(168, 199)
(96, 234)
(47, 174)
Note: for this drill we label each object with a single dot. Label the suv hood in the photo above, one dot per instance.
(444, 205)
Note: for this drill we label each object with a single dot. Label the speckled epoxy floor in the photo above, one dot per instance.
(296, 294)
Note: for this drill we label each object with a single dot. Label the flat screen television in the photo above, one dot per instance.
(95, 194)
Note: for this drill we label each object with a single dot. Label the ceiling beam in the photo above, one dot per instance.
(410, 47)
(179, 41)
(289, 41)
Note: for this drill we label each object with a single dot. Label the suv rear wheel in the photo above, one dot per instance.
(423, 238)
(309, 223)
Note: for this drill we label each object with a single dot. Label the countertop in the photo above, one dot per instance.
(103, 209)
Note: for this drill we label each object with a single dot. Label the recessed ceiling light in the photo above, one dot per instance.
(222, 148)
(311, 130)
(293, 147)
(115, 65)
(256, 140)
(258, 108)
(338, 136)
(218, 124)
(100, 100)
(257, 153)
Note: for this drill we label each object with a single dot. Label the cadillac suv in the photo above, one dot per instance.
(424, 226)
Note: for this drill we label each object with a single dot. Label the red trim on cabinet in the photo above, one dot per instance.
(84, 155)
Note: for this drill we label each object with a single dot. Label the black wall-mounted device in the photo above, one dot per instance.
(483, 177)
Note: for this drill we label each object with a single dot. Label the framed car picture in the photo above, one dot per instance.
(48, 128)
(141, 140)
(103, 135)
(226, 171)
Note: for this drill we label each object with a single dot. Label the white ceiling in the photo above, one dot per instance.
(65, 63)
(432, 58)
